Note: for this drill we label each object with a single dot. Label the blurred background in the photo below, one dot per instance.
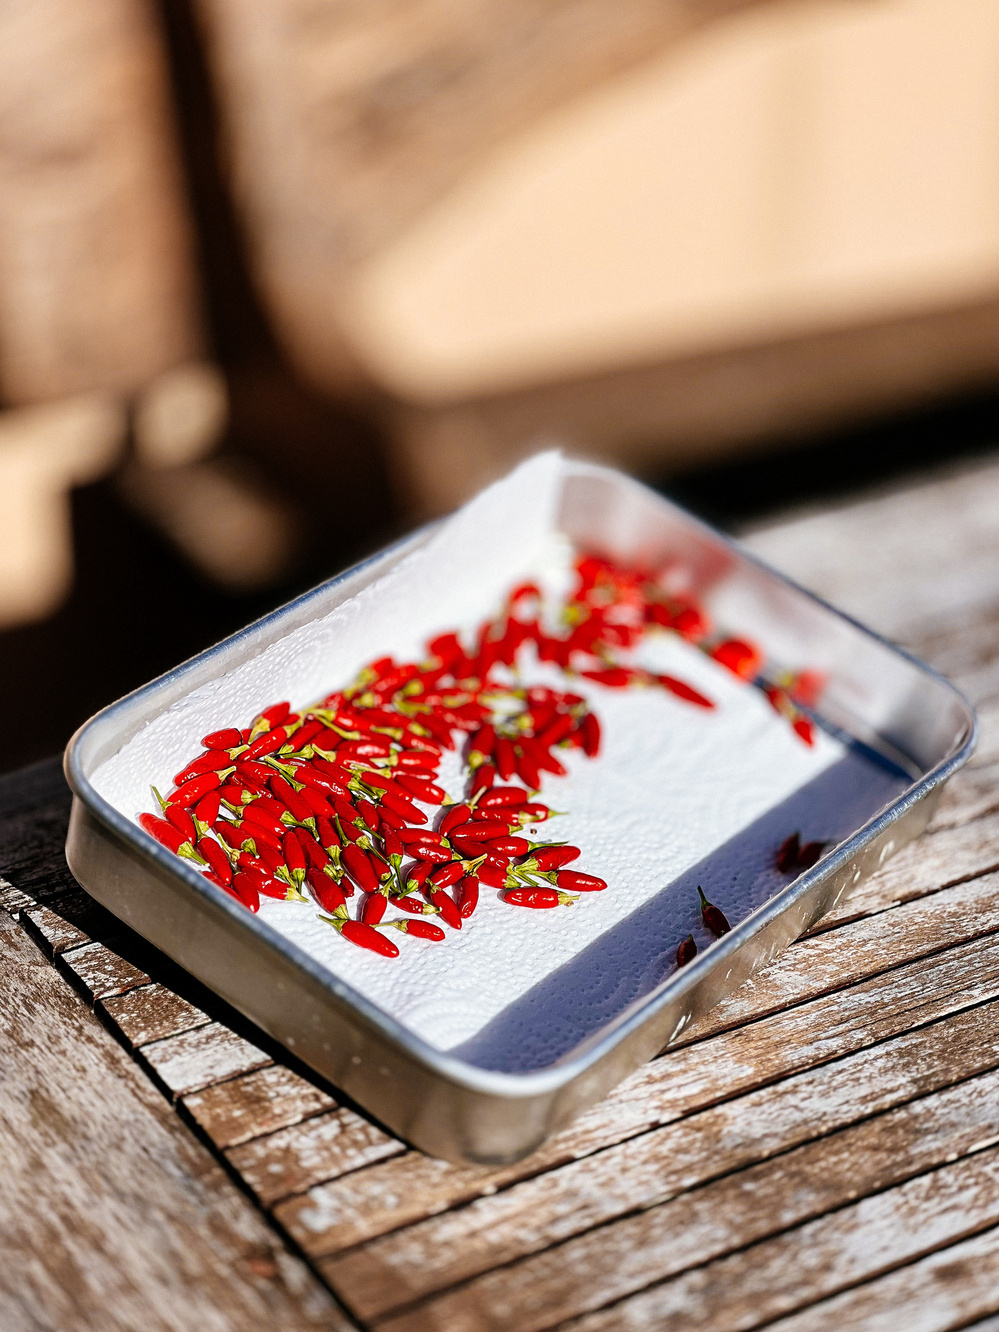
(280, 278)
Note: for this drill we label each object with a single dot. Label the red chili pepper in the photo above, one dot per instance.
(307, 733)
(527, 769)
(169, 836)
(314, 853)
(502, 795)
(327, 834)
(684, 691)
(448, 650)
(365, 936)
(412, 813)
(259, 817)
(446, 875)
(425, 835)
(414, 905)
(250, 771)
(691, 623)
(267, 743)
(191, 792)
(590, 728)
(531, 814)
(786, 858)
(360, 868)
(420, 929)
(547, 858)
(803, 727)
(272, 856)
(217, 859)
(481, 745)
(294, 803)
(810, 853)
(206, 811)
(481, 831)
(713, 917)
(574, 882)
(432, 852)
(181, 819)
(614, 677)
(557, 730)
(369, 813)
(393, 847)
(213, 761)
(468, 895)
(417, 875)
(741, 658)
(428, 792)
(505, 758)
(242, 888)
(454, 818)
(231, 793)
(483, 778)
(364, 749)
(447, 907)
(508, 846)
(325, 890)
(540, 899)
(372, 908)
(316, 803)
(227, 739)
(416, 761)
(686, 952)
(438, 729)
(543, 761)
(493, 876)
(271, 887)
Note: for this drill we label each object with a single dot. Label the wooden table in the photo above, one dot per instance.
(821, 1153)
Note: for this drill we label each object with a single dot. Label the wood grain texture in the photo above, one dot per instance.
(198, 1057)
(113, 1217)
(256, 1104)
(101, 972)
(152, 1013)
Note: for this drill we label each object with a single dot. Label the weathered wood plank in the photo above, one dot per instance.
(933, 861)
(813, 1261)
(13, 900)
(938, 1292)
(838, 957)
(197, 1058)
(113, 1216)
(100, 971)
(52, 932)
(686, 1080)
(609, 1263)
(970, 794)
(152, 1013)
(646, 1172)
(255, 1104)
(293, 1159)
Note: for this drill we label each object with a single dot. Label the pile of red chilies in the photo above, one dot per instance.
(316, 803)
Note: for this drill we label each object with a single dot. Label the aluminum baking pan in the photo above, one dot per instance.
(901, 715)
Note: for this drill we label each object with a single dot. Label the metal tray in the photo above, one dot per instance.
(891, 706)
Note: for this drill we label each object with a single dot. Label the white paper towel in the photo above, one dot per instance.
(672, 782)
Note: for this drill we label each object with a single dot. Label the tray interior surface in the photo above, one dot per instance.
(702, 799)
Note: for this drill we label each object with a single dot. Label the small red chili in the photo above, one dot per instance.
(493, 876)
(527, 769)
(394, 849)
(483, 778)
(182, 820)
(590, 727)
(446, 875)
(272, 716)
(502, 795)
(508, 846)
(360, 868)
(405, 807)
(505, 758)
(213, 761)
(245, 889)
(430, 851)
(428, 792)
(481, 745)
(484, 831)
(713, 917)
(372, 908)
(191, 792)
(206, 811)
(427, 836)
(447, 907)
(574, 882)
(227, 739)
(786, 859)
(741, 658)
(417, 875)
(468, 895)
(540, 899)
(325, 890)
(546, 858)
(685, 691)
(267, 743)
(454, 818)
(686, 952)
(314, 853)
(365, 936)
(532, 814)
(414, 905)
(804, 728)
(420, 929)
(169, 836)
(810, 853)
(217, 859)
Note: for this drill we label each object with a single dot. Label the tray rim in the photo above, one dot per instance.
(591, 1051)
